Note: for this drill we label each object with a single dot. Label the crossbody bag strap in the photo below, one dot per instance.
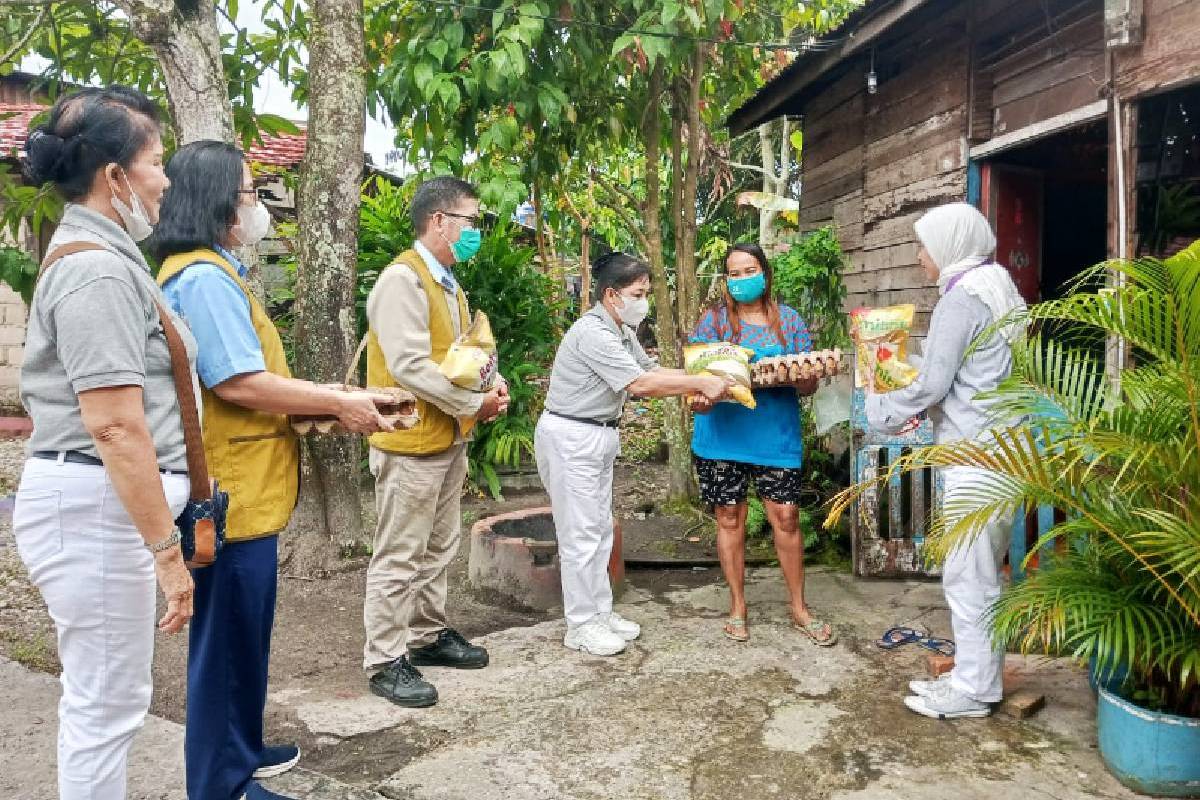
(181, 371)
(193, 438)
(64, 250)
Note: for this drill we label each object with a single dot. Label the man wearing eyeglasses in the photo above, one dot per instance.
(416, 311)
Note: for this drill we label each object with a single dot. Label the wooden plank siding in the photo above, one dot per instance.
(1169, 55)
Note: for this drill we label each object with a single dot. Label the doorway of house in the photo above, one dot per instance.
(1048, 204)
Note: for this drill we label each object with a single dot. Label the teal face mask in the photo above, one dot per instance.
(469, 241)
(747, 290)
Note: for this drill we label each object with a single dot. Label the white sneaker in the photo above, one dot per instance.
(626, 629)
(927, 688)
(594, 637)
(946, 702)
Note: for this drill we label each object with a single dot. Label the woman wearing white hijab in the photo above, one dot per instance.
(957, 245)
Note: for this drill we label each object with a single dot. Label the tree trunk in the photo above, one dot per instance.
(675, 423)
(685, 255)
(329, 515)
(188, 45)
(766, 218)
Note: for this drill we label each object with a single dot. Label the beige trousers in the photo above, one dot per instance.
(417, 536)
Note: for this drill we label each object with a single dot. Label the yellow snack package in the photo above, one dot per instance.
(881, 339)
(725, 360)
(471, 361)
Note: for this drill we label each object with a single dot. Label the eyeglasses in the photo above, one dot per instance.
(476, 219)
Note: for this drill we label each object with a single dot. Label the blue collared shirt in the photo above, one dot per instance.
(218, 312)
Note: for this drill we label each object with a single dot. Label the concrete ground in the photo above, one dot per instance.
(683, 714)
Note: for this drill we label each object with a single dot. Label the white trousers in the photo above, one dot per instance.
(97, 578)
(575, 461)
(971, 581)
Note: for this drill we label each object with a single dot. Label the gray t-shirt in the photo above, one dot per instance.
(595, 362)
(948, 382)
(93, 324)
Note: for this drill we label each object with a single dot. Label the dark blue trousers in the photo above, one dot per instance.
(228, 651)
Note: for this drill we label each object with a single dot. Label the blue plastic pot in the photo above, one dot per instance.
(1110, 680)
(1150, 752)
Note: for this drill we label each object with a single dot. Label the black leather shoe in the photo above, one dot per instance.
(401, 683)
(450, 650)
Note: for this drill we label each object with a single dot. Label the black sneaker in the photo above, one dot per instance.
(401, 683)
(450, 650)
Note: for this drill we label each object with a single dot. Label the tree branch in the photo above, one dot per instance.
(752, 167)
(24, 40)
(618, 191)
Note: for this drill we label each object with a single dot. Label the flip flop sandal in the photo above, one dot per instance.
(734, 623)
(900, 635)
(943, 647)
(814, 629)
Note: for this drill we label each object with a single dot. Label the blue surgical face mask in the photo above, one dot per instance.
(747, 290)
(469, 241)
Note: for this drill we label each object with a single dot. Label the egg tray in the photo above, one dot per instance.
(790, 370)
(400, 410)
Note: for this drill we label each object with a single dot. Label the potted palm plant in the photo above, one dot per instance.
(1119, 581)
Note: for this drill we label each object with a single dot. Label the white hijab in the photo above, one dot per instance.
(961, 243)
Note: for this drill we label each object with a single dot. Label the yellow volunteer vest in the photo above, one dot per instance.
(251, 453)
(435, 431)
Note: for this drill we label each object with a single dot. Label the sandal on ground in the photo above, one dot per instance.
(732, 625)
(813, 631)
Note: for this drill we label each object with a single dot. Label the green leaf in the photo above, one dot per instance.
(452, 34)
(422, 74)
(449, 94)
(670, 12)
(274, 124)
(438, 49)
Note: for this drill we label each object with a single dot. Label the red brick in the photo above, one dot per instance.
(1023, 704)
(939, 665)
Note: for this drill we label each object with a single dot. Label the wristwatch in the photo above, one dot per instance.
(167, 543)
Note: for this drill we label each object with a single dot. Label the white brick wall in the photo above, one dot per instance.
(12, 340)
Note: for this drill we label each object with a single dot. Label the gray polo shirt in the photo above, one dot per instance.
(93, 324)
(595, 362)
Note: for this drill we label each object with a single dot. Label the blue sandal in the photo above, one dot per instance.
(894, 637)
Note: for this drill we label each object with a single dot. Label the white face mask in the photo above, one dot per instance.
(136, 220)
(253, 223)
(634, 310)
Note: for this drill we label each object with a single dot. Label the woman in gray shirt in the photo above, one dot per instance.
(957, 245)
(598, 365)
(106, 473)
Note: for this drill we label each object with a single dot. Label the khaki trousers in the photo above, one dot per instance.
(418, 499)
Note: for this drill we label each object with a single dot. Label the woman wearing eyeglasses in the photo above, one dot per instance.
(210, 210)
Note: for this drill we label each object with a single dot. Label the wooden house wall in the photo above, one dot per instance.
(1036, 60)
(873, 163)
(1169, 55)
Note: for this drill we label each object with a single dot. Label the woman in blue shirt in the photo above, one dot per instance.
(734, 445)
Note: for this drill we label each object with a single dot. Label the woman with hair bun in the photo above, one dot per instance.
(106, 474)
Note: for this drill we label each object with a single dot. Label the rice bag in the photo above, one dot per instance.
(471, 361)
(724, 360)
(881, 339)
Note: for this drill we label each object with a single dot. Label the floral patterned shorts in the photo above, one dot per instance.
(725, 483)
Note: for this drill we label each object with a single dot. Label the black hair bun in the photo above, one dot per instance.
(44, 152)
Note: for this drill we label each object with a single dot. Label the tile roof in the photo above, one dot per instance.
(284, 150)
(280, 150)
(14, 126)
